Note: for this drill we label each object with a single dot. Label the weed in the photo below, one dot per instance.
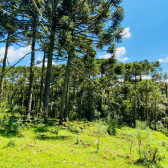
(77, 139)
(11, 143)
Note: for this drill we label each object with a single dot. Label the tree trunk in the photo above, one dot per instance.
(48, 76)
(4, 67)
(155, 116)
(31, 70)
(65, 87)
(41, 85)
(23, 98)
(67, 100)
(166, 97)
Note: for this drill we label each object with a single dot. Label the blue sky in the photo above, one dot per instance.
(145, 23)
(148, 23)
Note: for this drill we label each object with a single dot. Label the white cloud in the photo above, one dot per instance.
(105, 56)
(14, 54)
(40, 58)
(146, 77)
(126, 33)
(163, 60)
(119, 53)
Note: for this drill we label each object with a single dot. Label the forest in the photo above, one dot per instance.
(81, 98)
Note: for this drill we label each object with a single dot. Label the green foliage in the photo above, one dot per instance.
(141, 136)
(101, 130)
(97, 115)
(112, 125)
(14, 109)
(41, 128)
(26, 125)
(151, 157)
(131, 137)
(149, 152)
(11, 143)
(73, 127)
(55, 130)
(12, 124)
(16, 125)
(77, 139)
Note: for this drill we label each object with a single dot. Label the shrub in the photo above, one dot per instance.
(13, 124)
(17, 125)
(112, 125)
(73, 127)
(55, 130)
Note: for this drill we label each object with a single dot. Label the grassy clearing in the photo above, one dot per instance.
(51, 146)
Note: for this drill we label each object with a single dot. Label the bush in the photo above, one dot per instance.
(55, 130)
(13, 124)
(73, 127)
(159, 126)
(17, 125)
(151, 157)
(112, 125)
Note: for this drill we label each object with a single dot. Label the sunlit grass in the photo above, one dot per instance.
(40, 147)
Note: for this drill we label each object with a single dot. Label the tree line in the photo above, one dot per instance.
(86, 87)
(97, 88)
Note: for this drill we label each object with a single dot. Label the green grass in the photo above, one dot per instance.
(41, 147)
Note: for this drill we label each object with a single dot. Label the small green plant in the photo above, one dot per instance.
(55, 130)
(151, 157)
(41, 128)
(12, 124)
(77, 139)
(11, 143)
(130, 136)
(101, 130)
(141, 136)
(17, 125)
(84, 121)
(148, 151)
(164, 143)
(74, 127)
(26, 125)
(112, 125)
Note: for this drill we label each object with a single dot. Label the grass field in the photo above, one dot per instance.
(53, 146)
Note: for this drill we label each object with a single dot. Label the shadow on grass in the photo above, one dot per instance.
(49, 136)
(9, 133)
(165, 133)
(41, 129)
